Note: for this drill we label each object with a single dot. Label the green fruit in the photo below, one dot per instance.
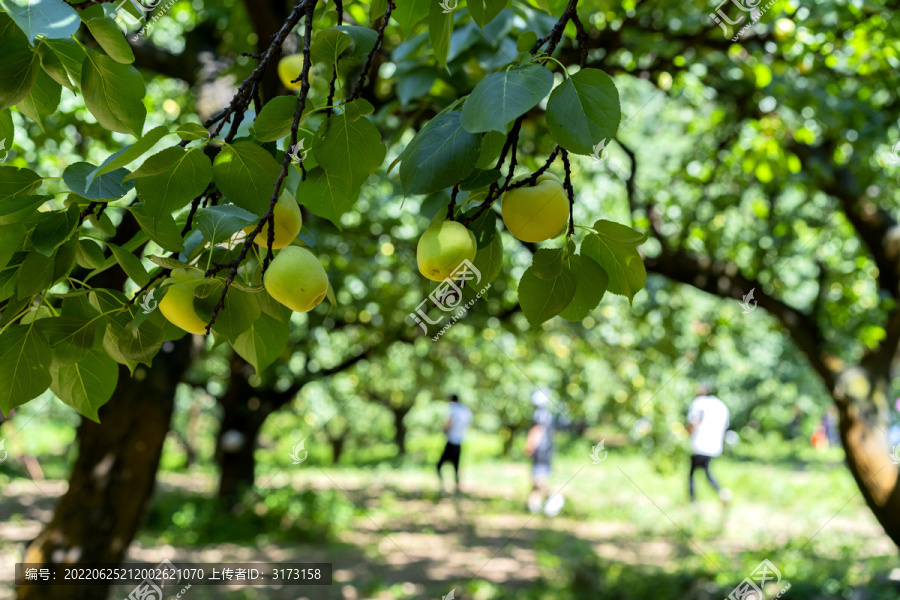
(288, 222)
(443, 247)
(536, 213)
(296, 279)
(289, 68)
(178, 304)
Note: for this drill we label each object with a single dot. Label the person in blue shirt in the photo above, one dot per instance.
(539, 446)
(455, 428)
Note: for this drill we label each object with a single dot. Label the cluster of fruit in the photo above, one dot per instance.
(295, 277)
(531, 214)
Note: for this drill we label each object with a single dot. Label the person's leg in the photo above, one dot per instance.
(694, 463)
(709, 476)
(454, 458)
(443, 459)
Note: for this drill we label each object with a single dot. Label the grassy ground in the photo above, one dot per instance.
(626, 532)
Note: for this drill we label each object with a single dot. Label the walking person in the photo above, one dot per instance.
(708, 420)
(458, 421)
(539, 446)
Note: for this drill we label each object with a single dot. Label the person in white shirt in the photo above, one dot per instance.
(455, 428)
(708, 420)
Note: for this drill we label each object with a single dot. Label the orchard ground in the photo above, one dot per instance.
(627, 530)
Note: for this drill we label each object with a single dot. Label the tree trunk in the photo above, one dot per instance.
(866, 447)
(337, 448)
(400, 429)
(113, 477)
(243, 413)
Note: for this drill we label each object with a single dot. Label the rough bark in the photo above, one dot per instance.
(113, 477)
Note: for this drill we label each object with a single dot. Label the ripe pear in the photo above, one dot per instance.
(289, 68)
(178, 304)
(536, 213)
(443, 247)
(297, 279)
(288, 222)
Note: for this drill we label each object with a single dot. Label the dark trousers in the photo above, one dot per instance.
(451, 455)
(698, 461)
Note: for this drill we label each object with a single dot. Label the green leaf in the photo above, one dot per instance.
(484, 11)
(7, 132)
(484, 227)
(131, 264)
(377, 10)
(327, 46)
(11, 37)
(441, 154)
(526, 41)
(105, 187)
(10, 242)
(70, 337)
(49, 18)
(246, 174)
(275, 119)
(113, 93)
(409, 13)
(103, 224)
(591, 283)
(53, 66)
(363, 38)
(71, 56)
(479, 179)
(414, 83)
(218, 223)
(440, 30)
(86, 385)
(348, 145)
(169, 180)
(129, 347)
(263, 342)
(328, 196)
(42, 101)
(491, 146)
(110, 38)
(192, 131)
(20, 208)
(501, 98)
(241, 309)
(543, 299)
(168, 262)
(614, 247)
(17, 182)
(583, 111)
(65, 258)
(90, 254)
(547, 263)
(130, 153)
(54, 229)
(18, 72)
(489, 261)
(159, 228)
(25, 359)
(35, 274)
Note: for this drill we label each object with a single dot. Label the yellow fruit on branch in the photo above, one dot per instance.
(443, 247)
(289, 69)
(296, 278)
(536, 213)
(288, 222)
(178, 304)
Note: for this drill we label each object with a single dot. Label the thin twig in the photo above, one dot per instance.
(381, 28)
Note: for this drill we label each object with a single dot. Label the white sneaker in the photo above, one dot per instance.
(725, 496)
(554, 505)
(534, 503)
